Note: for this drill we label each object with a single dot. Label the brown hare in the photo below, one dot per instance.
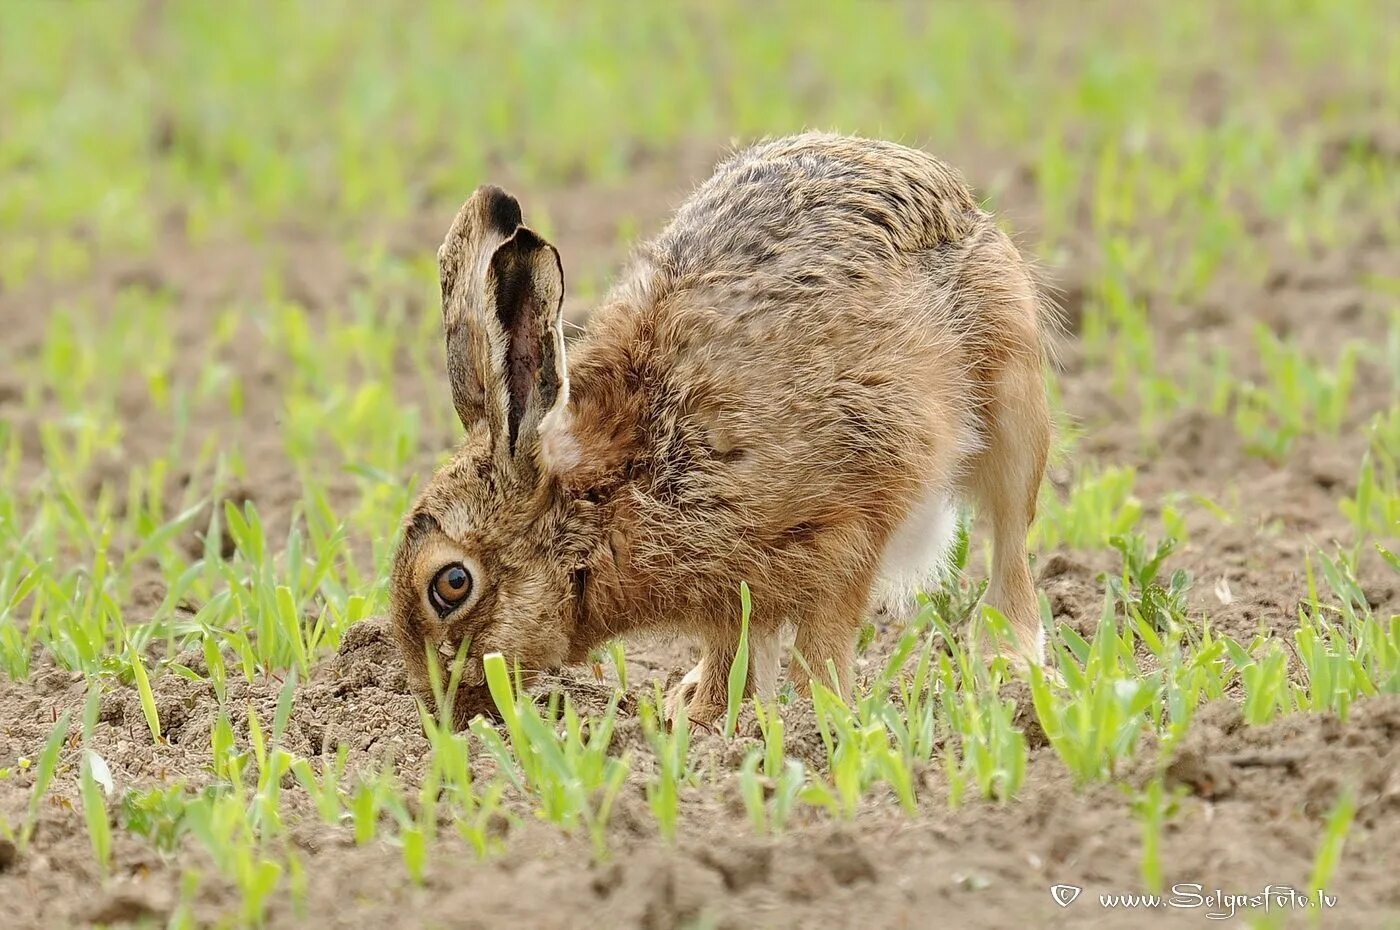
(793, 386)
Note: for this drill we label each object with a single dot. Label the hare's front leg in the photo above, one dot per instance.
(826, 639)
(704, 691)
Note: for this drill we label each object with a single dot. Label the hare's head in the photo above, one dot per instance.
(484, 560)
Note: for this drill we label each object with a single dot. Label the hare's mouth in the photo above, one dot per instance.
(471, 702)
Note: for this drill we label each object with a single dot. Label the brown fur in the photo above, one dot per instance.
(829, 332)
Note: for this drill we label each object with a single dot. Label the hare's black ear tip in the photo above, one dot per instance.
(527, 239)
(501, 210)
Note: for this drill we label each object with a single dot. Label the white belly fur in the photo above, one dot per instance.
(916, 556)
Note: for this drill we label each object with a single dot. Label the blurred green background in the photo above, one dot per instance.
(118, 119)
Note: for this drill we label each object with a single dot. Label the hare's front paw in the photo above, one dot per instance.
(681, 692)
(688, 694)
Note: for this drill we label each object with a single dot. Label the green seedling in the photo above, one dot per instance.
(571, 774)
(1155, 608)
(739, 668)
(1153, 807)
(43, 775)
(673, 770)
(1334, 837)
(1099, 507)
(94, 785)
(1094, 722)
(751, 789)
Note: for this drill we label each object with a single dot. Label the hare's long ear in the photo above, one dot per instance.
(503, 290)
(525, 291)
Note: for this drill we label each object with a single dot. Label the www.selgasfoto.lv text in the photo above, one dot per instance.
(1217, 904)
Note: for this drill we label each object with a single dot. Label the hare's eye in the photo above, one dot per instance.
(450, 587)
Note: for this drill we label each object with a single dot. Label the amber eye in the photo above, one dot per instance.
(450, 588)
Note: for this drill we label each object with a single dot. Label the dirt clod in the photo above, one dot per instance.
(127, 906)
(844, 859)
(1203, 774)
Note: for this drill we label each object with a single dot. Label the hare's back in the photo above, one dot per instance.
(813, 212)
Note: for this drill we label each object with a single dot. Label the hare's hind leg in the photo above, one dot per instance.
(1005, 479)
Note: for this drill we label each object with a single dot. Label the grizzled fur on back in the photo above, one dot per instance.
(811, 215)
(790, 386)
